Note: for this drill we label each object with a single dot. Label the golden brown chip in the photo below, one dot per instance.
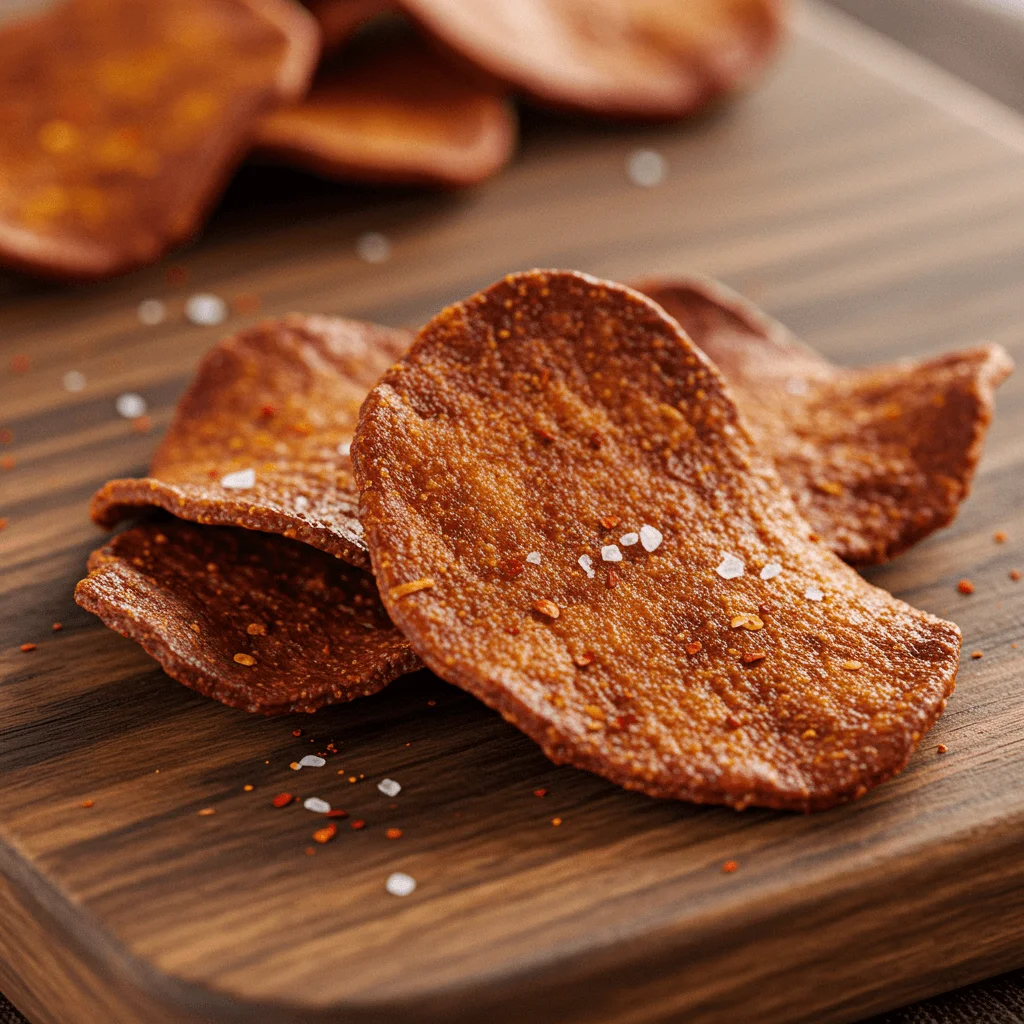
(623, 58)
(339, 20)
(256, 622)
(876, 458)
(392, 109)
(567, 518)
(261, 437)
(122, 120)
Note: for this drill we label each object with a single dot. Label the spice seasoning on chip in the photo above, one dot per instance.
(153, 592)
(876, 458)
(130, 117)
(314, 372)
(812, 734)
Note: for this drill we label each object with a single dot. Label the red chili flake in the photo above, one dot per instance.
(764, 609)
(596, 440)
(754, 656)
(941, 748)
(965, 587)
(283, 799)
(57, 627)
(142, 424)
(8, 462)
(540, 792)
(28, 647)
(3, 524)
(556, 822)
(87, 804)
(613, 578)
(246, 303)
(310, 851)
(977, 654)
(268, 411)
(544, 435)
(296, 732)
(695, 647)
(1015, 575)
(357, 824)
(20, 363)
(332, 748)
(510, 568)
(176, 275)
(431, 703)
(732, 722)
(999, 536)
(337, 812)
(729, 867)
(512, 630)
(393, 833)
(610, 522)
(6, 435)
(584, 659)
(325, 834)
(625, 721)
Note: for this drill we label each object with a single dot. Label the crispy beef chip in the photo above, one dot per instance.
(260, 623)
(261, 437)
(567, 518)
(392, 109)
(876, 458)
(122, 120)
(621, 58)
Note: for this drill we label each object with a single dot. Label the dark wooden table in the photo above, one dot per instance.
(794, 283)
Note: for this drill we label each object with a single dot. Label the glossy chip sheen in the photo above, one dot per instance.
(527, 418)
(257, 622)
(876, 458)
(623, 58)
(122, 120)
(393, 109)
(260, 439)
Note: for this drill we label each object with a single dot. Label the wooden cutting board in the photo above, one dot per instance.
(874, 205)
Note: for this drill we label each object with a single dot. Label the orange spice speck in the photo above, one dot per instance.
(999, 536)
(57, 627)
(610, 522)
(247, 787)
(206, 812)
(325, 834)
(1015, 575)
(977, 654)
(87, 804)
(28, 647)
(142, 424)
(540, 792)
(729, 867)
(296, 732)
(393, 833)
(20, 364)
(244, 659)
(8, 462)
(942, 748)
(556, 822)
(282, 799)
(695, 647)
(965, 587)
(295, 766)
(310, 851)
(753, 656)
(357, 824)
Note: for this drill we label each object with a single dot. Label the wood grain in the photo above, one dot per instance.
(872, 220)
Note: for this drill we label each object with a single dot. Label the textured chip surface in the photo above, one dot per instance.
(393, 109)
(122, 120)
(621, 58)
(257, 622)
(277, 403)
(567, 518)
(876, 458)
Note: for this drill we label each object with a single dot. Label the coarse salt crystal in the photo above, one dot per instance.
(611, 553)
(373, 247)
(400, 884)
(730, 567)
(814, 594)
(345, 448)
(240, 480)
(316, 805)
(301, 502)
(312, 761)
(130, 405)
(206, 310)
(770, 571)
(650, 538)
(627, 540)
(586, 564)
(533, 558)
(151, 312)
(646, 168)
(74, 380)
(389, 787)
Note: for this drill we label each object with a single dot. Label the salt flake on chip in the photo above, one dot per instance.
(730, 567)
(814, 594)
(533, 558)
(770, 571)
(650, 538)
(627, 540)
(587, 565)
(239, 480)
(611, 553)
